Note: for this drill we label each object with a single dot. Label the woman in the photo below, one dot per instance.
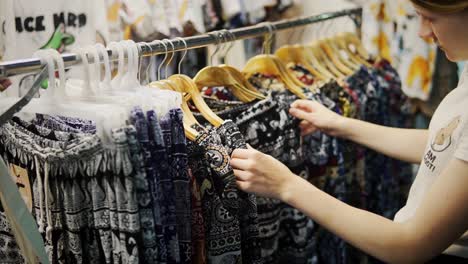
(435, 218)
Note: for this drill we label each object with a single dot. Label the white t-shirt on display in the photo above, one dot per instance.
(448, 139)
(28, 26)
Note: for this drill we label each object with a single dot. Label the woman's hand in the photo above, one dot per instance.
(316, 117)
(261, 174)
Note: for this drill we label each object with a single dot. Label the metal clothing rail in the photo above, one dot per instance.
(33, 65)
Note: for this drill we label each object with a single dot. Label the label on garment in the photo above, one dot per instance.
(20, 176)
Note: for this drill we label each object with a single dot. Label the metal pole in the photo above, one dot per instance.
(33, 65)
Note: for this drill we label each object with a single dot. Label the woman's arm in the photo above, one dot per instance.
(440, 220)
(403, 144)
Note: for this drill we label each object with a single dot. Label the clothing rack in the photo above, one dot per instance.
(16, 67)
(11, 68)
(33, 239)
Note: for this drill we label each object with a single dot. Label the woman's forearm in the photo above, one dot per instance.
(403, 144)
(373, 234)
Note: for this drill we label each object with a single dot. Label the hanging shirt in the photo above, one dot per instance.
(179, 167)
(191, 11)
(61, 25)
(89, 192)
(168, 199)
(145, 186)
(285, 233)
(248, 214)
(447, 140)
(220, 202)
(390, 32)
(416, 56)
(198, 170)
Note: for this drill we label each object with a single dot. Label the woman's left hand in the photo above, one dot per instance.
(261, 174)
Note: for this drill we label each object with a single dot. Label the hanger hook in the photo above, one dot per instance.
(214, 34)
(229, 37)
(233, 39)
(140, 61)
(273, 36)
(179, 67)
(152, 59)
(149, 63)
(292, 35)
(300, 35)
(170, 58)
(265, 38)
(224, 46)
(164, 60)
(328, 25)
(334, 26)
(268, 38)
(321, 30)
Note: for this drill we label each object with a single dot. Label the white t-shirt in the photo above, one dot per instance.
(27, 26)
(448, 139)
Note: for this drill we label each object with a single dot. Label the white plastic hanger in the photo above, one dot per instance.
(106, 83)
(116, 81)
(106, 117)
(163, 105)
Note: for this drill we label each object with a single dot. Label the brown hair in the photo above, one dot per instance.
(442, 6)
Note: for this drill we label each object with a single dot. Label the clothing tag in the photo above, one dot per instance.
(19, 176)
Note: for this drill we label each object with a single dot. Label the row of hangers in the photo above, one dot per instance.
(327, 59)
(108, 101)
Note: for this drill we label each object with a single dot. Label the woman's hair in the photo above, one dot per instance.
(442, 6)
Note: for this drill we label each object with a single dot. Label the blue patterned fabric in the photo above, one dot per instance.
(141, 158)
(160, 137)
(179, 166)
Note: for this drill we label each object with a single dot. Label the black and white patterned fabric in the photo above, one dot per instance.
(81, 192)
(220, 202)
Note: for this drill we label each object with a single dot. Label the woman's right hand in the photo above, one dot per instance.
(315, 117)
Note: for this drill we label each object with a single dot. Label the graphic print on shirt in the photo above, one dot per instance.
(443, 138)
(440, 143)
(60, 39)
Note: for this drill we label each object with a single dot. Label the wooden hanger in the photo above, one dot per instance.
(342, 46)
(271, 65)
(189, 119)
(313, 62)
(333, 55)
(216, 76)
(187, 85)
(322, 57)
(295, 54)
(352, 40)
(250, 89)
(342, 54)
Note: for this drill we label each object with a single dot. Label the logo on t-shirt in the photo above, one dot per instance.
(443, 138)
(440, 143)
